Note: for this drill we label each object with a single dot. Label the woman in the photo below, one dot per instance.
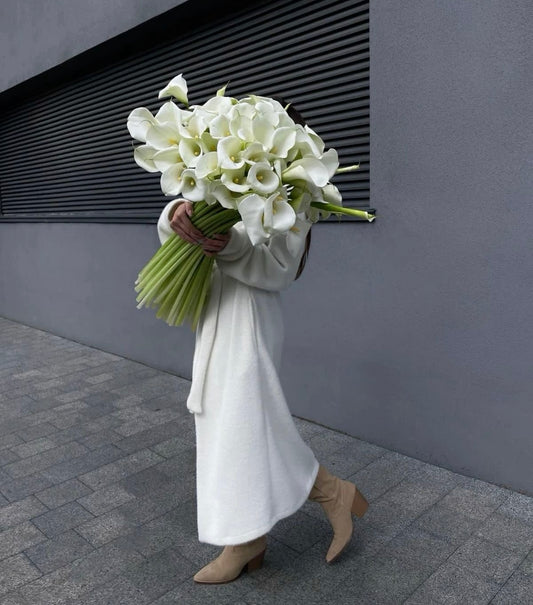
(252, 466)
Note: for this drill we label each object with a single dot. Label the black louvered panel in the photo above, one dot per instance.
(67, 154)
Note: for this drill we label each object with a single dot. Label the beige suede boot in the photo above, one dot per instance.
(229, 565)
(339, 499)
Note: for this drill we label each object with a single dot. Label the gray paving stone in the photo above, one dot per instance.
(34, 464)
(415, 496)
(454, 586)
(15, 513)
(517, 590)
(519, 506)
(173, 446)
(105, 499)
(419, 546)
(327, 442)
(58, 551)
(105, 528)
(18, 538)
(83, 464)
(64, 492)
(10, 440)
(39, 430)
(388, 517)
(300, 532)
(526, 566)
(156, 435)
(448, 524)
(121, 468)
(17, 489)
(160, 572)
(118, 591)
(60, 519)
(7, 456)
(378, 477)
(488, 561)
(15, 571)
(70, 582)
(473, 503)
(96, 440)
(33, 447)
(510, 532)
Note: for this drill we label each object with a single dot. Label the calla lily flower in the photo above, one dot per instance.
(172, 179)
(193, 188)
(170, 112)
(139, 122)
(207, 165)
(167, 157)
(235, 180)
(177, 88)
(191, 151)
(229, 153)
(279, 215)
(219, 127)
(163, 136)
(282, 141)
(307, 169)
(144, 157)
(262, 178)
(330, 159)
(252, 209)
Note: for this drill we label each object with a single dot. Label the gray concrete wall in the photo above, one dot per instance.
(414, 332)
(36, 35)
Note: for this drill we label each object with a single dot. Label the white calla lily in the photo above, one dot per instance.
(193, 128)
(307, 169)
(144, 157)
(332, 195)
(170, 112)
(330, 159)
(254, 153)
(284, 138)
(225, 198)
(279, 215)
(262, 178)
(164, 158)
(229, 153)
(172, 179)
(263, 132)
(235, 180)
(139, 122)
(252, 209)
(207, 165)
(163, 136)
(219, 127)
(191, 151)
(177, 88)
(194, 188)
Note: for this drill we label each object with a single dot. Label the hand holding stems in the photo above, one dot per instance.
(182, 225)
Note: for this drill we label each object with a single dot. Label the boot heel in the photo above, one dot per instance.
(256, 562)
(359, 504)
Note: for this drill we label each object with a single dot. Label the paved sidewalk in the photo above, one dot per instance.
(97, 502)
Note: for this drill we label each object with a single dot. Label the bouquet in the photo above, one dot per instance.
(235, 160)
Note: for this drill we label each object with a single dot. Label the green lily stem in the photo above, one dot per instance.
(347, 169)
(343, 210)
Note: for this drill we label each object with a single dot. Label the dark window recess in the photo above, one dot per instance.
(67, 154)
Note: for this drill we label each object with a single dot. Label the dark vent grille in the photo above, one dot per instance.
(67, 154)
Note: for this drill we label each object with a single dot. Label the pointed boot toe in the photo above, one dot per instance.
(232, 561)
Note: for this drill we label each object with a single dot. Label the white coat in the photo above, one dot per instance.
(252, 466)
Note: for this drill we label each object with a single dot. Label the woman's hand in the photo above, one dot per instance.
(182, 225)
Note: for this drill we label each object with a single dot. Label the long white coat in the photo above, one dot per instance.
(252, 466)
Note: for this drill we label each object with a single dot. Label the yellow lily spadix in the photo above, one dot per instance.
(236, 160)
